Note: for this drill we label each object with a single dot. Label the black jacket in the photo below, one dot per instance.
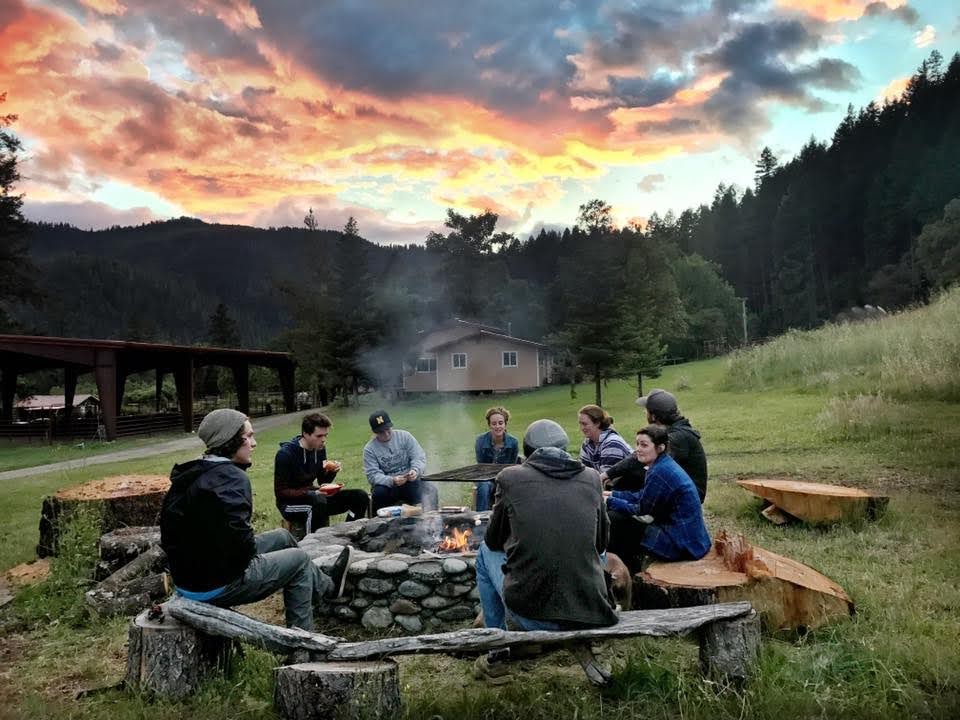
(685, 448)
(205, 524)
(295, 469)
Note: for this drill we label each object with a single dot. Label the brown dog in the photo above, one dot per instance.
(622, 581)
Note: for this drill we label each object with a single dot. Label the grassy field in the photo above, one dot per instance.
(898, 656)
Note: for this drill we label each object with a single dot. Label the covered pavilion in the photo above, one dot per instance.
(111, 361)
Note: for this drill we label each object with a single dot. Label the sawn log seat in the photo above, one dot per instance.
(728, 634)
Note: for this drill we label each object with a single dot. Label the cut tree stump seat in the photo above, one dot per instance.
(363, 674)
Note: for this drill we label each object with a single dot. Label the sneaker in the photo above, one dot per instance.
(338, 573)
(495, 672)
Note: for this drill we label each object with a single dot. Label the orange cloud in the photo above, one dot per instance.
(253, 133)
(835, 10)
(894, 89)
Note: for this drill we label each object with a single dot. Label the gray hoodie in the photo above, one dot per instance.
(550, 519)
(383, 461)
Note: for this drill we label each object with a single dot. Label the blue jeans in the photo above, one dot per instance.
(490, 585)
(485, 495)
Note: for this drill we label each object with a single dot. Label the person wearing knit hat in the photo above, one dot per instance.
(685, 446)
(206, 532)
(539, 565)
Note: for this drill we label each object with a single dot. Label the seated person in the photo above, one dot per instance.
(539, 567)
(669, 498)
(494, 446)
(302, 461)
(393, 462)
(602, 445)
(211, 548)
(685, 447)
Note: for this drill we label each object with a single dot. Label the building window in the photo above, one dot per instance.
(510, 358)
(459, 360)
(426, 365)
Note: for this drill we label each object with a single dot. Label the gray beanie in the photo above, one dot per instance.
(545, 433)
(219, 426)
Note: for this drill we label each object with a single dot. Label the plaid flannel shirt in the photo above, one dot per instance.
(669, 495)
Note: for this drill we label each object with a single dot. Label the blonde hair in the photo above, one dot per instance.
(497, 411)
(599, 416)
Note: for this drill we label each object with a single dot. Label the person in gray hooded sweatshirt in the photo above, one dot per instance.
(539, 566)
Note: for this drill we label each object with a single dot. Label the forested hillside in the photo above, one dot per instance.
(859, 219)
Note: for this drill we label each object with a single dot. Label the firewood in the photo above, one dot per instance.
(127, 500)
(815, 502)
(127, 542)
(787, 594)
(129, 599)
(150, 562)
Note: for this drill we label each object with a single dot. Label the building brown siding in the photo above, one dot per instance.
(484, 370)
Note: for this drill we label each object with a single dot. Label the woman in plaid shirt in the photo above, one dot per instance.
(665, 519)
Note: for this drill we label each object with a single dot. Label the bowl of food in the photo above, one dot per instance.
(330, 488)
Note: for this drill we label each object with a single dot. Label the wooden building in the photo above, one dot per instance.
(463, 356)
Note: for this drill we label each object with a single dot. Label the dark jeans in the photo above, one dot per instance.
(280, 563)
(412, 493)
(627, 536)
(315, 508)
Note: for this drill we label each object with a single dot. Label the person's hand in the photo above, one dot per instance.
(399, 480)
(331, 468)
(606, 494)
(619, 505)
(412, 474)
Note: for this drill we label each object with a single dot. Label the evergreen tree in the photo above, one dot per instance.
(310, 221)
(16, 269)
(595, 217)
(351, 229)
(222, 330)
(766, 166)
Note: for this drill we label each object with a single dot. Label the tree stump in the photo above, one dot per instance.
(788, 595)
(170, 659)
(729, 649)
(120, 501)
(814, 502)
(338, 690)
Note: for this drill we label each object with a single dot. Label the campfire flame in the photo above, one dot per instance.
(456, 541)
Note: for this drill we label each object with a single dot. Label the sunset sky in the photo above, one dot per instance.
(252, 112)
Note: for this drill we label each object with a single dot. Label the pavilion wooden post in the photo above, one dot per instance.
(183, 377)
(241, 381)
(285, 373)
(105, 372)
(69, 393)
(158, 393)
(8, 387)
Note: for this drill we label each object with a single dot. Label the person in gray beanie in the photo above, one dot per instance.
(213, 553)
(539, 567)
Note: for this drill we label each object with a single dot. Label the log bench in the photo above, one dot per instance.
(326, 676)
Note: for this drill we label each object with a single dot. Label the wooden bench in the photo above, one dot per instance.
(171, 655)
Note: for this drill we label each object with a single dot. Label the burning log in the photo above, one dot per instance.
(119, 501)
(785, 593)
(814, 502)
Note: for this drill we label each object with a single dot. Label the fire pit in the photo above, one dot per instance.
(414, 573)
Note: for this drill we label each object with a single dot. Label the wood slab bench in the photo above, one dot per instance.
(170, 657)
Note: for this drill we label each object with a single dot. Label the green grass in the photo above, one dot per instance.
(899, 655)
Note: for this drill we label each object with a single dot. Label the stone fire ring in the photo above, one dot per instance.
(396, 579)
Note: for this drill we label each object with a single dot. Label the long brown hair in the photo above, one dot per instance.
(599, 416)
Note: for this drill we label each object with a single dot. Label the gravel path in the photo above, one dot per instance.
(161, 448)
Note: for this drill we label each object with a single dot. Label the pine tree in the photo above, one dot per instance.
(765, 167)
(17, 271)
(222, 329)
(351, 229)
(310, 221)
